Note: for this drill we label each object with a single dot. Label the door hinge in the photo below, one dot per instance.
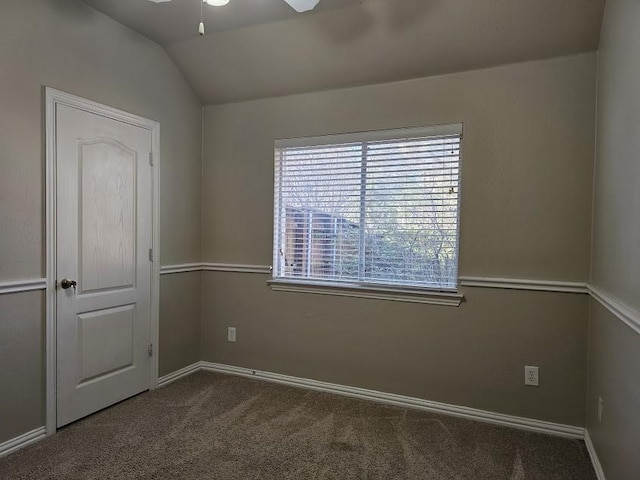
(151, 349)
(151, 158)
(151, 254)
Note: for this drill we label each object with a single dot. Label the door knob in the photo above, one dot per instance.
(65, 283)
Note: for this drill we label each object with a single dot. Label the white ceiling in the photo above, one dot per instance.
(262, 48)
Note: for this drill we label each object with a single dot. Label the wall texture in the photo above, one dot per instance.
(614, 364)
(526, 213)
(180, 314)
(21, 357)
(614, 348)
(616, 229)
(69, 46)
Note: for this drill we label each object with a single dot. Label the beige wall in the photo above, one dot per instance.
(526, 213)
(614, 348)
(66, 45)
(614, 368)
(616, 229)
(22, 363)
(527, 161)
(473, 355)
(180, 309)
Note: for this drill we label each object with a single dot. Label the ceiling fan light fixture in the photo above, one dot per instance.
(216, 3)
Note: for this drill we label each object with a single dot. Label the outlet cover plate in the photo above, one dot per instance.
(531, 376)
(600, 407)
(231, 334)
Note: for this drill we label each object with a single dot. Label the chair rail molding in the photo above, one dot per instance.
(624, 312)
(18, 286)
(465, 281)
(215, 267)
(524, 284)
(236, 268)
(181, 268)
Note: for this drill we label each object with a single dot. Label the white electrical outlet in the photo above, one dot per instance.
(600, 405)
(231, 334)
(531, 376)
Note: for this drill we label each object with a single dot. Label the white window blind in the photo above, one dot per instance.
(373, 208)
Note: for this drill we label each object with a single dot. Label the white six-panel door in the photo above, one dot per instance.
(103, 237)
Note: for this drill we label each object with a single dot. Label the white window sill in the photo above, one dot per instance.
(433, 297)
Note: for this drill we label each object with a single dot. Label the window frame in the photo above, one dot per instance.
(368, 289)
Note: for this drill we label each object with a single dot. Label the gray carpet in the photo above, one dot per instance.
(213, 426)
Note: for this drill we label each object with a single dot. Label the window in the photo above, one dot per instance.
(376, 209)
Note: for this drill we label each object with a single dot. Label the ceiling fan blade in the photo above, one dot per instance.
(302, 5)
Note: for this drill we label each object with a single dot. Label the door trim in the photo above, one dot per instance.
(52, 99)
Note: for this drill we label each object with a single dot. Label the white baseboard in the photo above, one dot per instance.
(567, 431)
(22, 441)
(594, 456)
(178, 374)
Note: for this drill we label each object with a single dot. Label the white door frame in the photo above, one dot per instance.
(52, 99)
